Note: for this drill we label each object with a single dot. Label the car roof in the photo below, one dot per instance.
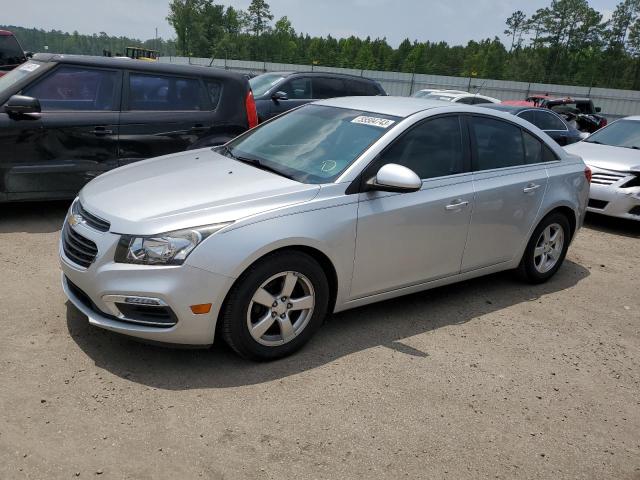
(127, 63)
(320, 74)
(394, 106)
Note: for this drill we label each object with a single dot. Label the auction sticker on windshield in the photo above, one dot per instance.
(373, 121)
(29, 67)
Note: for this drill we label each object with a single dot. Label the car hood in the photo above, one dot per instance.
(194, 188)
(607, 157)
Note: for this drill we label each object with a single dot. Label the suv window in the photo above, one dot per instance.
(297, 88)
(362, 88)
(326, 87)
(548, 121)
(152, 92)
(465, 100)
(214, 89)
(76, 88)
(10, 51)
(432, 149)
(498, 144)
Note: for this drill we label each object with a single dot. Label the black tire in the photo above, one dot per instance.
(235, 329)
(527, 270)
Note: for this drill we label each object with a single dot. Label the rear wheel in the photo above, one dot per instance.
(546, 250)
(276, 306)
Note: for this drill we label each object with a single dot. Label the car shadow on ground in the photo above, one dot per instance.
(33, 217)
(613, 225)
(384, 324)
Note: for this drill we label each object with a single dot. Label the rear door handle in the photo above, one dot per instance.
(199, 128)
(101, 131)
(532, 187)
(457, 205)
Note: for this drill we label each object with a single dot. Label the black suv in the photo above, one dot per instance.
(66, 119)
(278, 92)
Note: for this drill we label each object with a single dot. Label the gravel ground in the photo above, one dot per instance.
(485, 379)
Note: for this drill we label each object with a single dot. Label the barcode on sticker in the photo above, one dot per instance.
(373, 121)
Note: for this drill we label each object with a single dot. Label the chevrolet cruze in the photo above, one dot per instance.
(333, 205)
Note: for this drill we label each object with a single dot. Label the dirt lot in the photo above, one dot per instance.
(487, 379)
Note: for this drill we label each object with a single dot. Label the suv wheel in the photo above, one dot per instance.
(276, 306)
(546, 250)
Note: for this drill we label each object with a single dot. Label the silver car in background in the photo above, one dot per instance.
(613, 153)
(333, 205)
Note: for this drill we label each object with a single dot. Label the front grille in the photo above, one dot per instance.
(77, 248)
(599, 204)
(634, 182)
(91, 220)
(600, 178)
(635, 211)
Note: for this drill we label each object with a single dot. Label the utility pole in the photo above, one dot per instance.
(155, 41)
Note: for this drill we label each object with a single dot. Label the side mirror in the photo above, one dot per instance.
(21, 105)
(279, 96)
(598, 109)
(395, 178)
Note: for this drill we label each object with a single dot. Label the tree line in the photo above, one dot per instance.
(35, 40)
(567, 42)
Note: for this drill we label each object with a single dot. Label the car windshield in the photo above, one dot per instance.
(262, 83)
(623, 133)
(17, 74)
(10, 51)
(313, 144)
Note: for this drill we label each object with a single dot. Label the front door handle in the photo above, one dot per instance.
(457, 205)
(532, 187)
(199, 128)
(99, 131)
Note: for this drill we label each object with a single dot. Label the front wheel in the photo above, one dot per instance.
(546, 250)
(276, 306)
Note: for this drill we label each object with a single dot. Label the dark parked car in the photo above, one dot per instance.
(549, 122)
(66, 119)
(11, 53)
(278, 92)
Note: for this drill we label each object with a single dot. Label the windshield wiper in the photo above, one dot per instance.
(254, 162)
(258, 164)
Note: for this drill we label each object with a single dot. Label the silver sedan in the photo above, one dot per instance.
(334, 205)
(613, 154)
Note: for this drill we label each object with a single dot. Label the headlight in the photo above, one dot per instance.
(170, 248)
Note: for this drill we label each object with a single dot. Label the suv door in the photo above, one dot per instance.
(510, 180)
(162, 114)
(75, 137)
(298, 90)
(420, 236)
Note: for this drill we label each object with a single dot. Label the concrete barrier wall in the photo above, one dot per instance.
(614, 103)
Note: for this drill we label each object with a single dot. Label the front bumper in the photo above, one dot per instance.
(615, 200)
(92, 289)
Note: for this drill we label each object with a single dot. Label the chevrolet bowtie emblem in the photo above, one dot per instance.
(75, 219)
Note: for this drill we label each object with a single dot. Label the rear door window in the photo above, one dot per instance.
(77, 88)
(158, 93)
(498, 144)
(362, 88)
(214, 89)
(548, 121)
(327, 87)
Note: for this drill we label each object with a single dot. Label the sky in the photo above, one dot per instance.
(454, 21)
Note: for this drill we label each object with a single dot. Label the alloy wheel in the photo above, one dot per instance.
(280, 308)
(548, 248)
